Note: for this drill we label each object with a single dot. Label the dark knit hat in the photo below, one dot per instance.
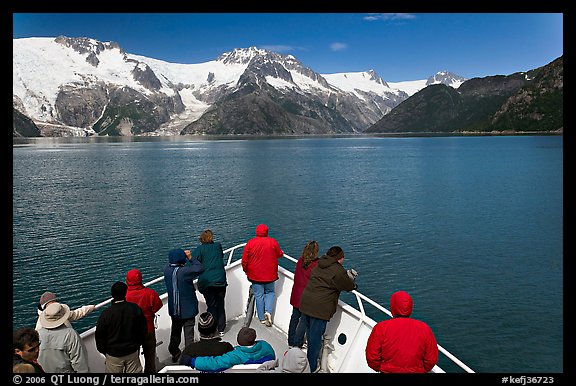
(119, 290)
(206, 324)
(246, 336)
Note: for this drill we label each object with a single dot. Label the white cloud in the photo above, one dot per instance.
(279, 48)
(337, 46)
(389, 16)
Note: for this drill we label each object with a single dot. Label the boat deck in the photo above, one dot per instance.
(277, 338)
(344, 339)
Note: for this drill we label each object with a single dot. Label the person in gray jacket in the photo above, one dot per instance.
(320, 298)
(293, 361)
(62, 349)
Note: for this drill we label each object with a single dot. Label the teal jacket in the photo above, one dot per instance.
(212, 258)
(260, 352)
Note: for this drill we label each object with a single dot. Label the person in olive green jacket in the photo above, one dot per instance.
(320, 298)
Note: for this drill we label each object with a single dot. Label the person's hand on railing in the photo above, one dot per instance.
(352, 273)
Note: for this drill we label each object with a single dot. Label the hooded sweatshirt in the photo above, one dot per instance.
(320, 296)
(145, 297)
(401, 344)
(179, 279)
(294, 361)
(260, 257)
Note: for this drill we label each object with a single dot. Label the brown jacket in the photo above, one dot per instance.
(327, 280)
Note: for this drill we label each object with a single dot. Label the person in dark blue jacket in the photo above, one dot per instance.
(182, 301)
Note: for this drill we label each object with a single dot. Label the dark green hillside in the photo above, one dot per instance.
(539, 106)
(431, 109)
(22, 126)
(531, 101)
(130, 113)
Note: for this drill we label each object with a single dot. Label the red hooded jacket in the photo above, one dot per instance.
(260, 257)
(145, 297)
(401, 344)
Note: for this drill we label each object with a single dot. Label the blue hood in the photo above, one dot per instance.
(177, 256)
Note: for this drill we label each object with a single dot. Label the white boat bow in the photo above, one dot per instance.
(345, 337)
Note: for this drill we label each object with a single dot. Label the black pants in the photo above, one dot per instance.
(149, 350)
(214, 297)
(176, 334)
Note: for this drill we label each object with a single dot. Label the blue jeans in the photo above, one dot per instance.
(296, 328)
(265, 297)
(315, 329)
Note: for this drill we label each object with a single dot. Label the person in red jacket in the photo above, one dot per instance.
(401, 344)
(150, 303)
(307, 261)
(260, 263)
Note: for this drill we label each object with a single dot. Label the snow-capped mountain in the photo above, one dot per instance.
(447, 78)
(366, 86)
(81, 86)
(411, 87)
(67, 85)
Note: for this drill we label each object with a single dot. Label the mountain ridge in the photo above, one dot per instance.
(529, 101)
(103, 90)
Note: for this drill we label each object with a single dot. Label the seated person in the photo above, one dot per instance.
(248, 351)
(210, 343)
(293, 361)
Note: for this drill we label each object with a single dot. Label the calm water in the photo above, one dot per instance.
(472, 227)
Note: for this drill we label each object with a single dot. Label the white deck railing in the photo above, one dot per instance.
(360, 298)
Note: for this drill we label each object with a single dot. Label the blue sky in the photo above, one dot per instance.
(398, 47)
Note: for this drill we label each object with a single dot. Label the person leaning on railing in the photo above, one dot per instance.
(401, 344)
(50, 297)
(320, 298)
